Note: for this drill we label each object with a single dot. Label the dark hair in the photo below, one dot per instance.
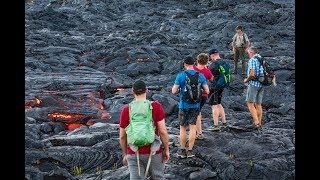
(189, 60)
(139, 87)
(239, 28)
(202, 58)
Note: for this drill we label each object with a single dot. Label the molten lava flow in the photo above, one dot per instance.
(120, 89)
(73, 126)
(66, 116)
(38, 101)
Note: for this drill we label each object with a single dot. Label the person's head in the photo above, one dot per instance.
(239, 29)
(252, 51)
(202, 59)
(214, 54)
(188, 62)
(139, 88)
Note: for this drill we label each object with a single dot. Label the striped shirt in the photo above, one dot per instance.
(255, 65)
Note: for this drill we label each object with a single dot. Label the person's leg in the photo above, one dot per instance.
(253, 112)
(258, 104)
(192, 118)
(198, 125)
(192, 136)
(199, 117)
(236, 58)
(250, 99)
(133, 167)
(220, 107)
(243, 60)
(183, 127)
(215, 114)
(222, 114)
(258, 107)
(157, 167)
(183, 136)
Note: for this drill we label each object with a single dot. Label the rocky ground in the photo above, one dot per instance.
(71, 49)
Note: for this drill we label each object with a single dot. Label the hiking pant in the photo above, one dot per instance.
(240, 53)
(156, 169)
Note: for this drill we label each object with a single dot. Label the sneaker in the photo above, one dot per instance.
(190, 153)
(224, 125)
(215, 128)
(182, 153)
(200, 136)
(256, 127)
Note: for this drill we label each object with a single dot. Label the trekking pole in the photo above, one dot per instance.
(148, 165)
(138, 162)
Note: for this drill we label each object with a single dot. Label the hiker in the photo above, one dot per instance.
(189, 84)
(141, 124)
(221, 72)
(201, 67)
(254, 87)
(240, 42)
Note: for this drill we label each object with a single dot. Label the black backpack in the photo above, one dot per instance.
(192, 93)
(267, 78)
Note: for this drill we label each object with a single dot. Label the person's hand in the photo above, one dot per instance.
(233, 50)
(165, 156)
(245, 80)
(125, 160)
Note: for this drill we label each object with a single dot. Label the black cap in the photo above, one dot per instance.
(213, 51)
(189, 60)
(139, 87)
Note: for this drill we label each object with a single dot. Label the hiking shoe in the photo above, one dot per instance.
(224, 125)
(190, 153)
(200, 136)
(182, 153)
(215, 128)
(256, 127)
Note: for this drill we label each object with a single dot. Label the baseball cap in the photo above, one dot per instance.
(213, 51)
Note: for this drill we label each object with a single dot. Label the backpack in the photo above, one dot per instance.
(141, 130)
(225, 75)
(268, 76)
(192, 93)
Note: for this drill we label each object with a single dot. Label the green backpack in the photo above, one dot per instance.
(140, 131)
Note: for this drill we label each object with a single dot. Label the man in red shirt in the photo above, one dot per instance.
(162, 155)
(202, 61)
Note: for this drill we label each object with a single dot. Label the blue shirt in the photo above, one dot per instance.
(180, 80)
(255, 65)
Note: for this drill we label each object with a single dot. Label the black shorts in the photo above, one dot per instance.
(188, 116)
(215, 96)
(203, 101)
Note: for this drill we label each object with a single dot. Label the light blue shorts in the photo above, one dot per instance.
(254, 94)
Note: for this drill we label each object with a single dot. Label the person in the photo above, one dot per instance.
(137, 158)
(240, 42)
(188, 104)
(201, 67)
(215, 95)
(255, 89)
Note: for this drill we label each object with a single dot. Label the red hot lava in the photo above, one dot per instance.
(71, 120)
(33, 103)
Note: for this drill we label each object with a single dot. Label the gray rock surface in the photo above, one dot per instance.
(71, 49)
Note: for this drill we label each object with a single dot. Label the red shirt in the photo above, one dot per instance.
(207, 74)
(157, 115)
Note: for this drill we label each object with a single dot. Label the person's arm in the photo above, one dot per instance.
(250, 77)
(165, 139)
(204, 83)
(248, 44)
(233, 41)
(206, 88)
(175, 89)
(123, 144)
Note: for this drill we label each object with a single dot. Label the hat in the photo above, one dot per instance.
(139, 87)
(189, 60)
(213, 51)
